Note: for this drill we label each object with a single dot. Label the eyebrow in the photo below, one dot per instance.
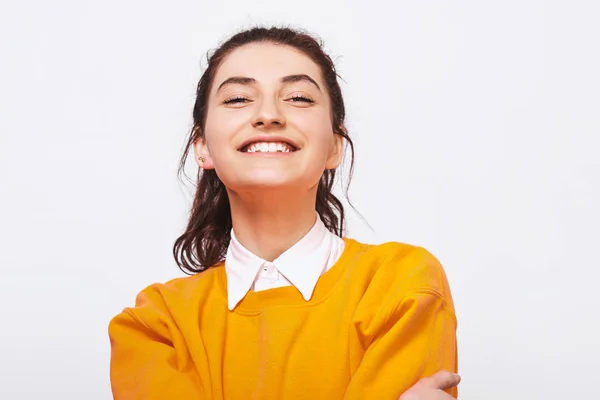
(242, 80)
(299, 78)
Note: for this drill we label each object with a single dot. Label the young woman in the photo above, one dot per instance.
(280, 304)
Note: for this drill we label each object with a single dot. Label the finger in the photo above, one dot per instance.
(441, 380)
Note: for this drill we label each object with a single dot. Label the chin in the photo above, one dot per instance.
(250, 179)
(264, 180)
(273, 183)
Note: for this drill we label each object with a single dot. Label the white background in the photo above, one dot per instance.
(477, 131)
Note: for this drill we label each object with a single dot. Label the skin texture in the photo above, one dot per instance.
(272, 196)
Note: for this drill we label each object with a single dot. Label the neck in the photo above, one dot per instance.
(269, 223)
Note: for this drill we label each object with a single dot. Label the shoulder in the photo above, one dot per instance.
(176, 295)
(401, 268)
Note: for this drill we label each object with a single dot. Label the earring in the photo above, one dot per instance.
(201, 159)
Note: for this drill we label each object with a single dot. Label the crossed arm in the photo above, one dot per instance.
(414, 341)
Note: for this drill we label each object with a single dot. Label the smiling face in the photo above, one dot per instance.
(269, 122)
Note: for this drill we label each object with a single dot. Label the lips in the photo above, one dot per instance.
(268, 147)
(270, 144)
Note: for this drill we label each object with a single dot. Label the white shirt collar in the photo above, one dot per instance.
(302, 264)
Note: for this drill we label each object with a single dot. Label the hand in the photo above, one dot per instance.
(432, 387)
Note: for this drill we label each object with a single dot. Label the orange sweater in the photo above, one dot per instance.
(379, 320)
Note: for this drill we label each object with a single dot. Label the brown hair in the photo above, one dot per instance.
(205, 240)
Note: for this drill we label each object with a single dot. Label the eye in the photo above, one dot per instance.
(236, 100)
(300, 98)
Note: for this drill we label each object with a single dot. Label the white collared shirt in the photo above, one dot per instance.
(301, 265)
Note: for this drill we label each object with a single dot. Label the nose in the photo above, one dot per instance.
(268, 116)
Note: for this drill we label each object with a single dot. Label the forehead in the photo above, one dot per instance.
(267, 62)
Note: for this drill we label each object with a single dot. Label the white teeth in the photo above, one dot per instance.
(269, 147)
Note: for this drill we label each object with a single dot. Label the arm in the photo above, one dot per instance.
(149, 359)
(411, 332)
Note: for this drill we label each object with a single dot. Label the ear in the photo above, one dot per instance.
(202, 154)
(337, 151)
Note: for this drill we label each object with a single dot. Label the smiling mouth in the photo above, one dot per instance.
(268, 147)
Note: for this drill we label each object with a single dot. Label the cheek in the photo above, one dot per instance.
(219, 131)
(320, 135)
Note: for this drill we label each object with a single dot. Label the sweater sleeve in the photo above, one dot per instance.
(411, 335)
(149, 358)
